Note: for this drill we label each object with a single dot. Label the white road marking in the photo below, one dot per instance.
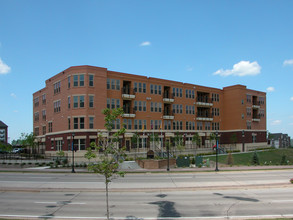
(62, 202)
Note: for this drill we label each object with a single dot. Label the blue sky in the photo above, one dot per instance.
(212, 43)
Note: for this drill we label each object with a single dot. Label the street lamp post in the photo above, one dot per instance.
(243, 146)
(217, 149)
(72, 171)
(168, 156)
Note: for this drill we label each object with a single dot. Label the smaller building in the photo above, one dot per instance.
(279, 140)
(3, 133)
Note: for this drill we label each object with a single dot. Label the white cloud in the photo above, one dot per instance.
(276, 122)
(288, 62)
(291, 98)
(4, 68)
(13, 95)
(243, 68)
(145, 43)
(270, 89)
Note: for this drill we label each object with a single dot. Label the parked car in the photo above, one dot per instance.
(17, 150)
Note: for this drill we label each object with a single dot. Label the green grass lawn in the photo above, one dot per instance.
(270, 157)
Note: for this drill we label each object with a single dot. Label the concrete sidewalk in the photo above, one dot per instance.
(141, 170)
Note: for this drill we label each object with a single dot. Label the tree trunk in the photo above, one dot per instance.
(107, 200)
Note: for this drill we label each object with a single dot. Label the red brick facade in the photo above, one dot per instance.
(73, 100)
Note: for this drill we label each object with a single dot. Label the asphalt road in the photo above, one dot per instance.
(208, 204)
(222, 195)
(143, 181)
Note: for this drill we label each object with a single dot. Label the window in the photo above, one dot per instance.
(50, 125)
(82, 144)
(57, 106)
(117, 103)
(112, 103)
(248, 98)
(68, 101)
(207, 126)
(108, 83)
(36, 102)
(75, 123)
(117, 84)
(253, 138)
(75, 80)
(68, 82)
(189, 93)
(81, 80)
(36, 116)
(91, 101)
(91, 80)
(135, 87)
(127, 123)
(69, 123)
(215, 126)
(91, 122)
(113, 83)
(248, 125)
(144, 88)
(248, 111)
(57, 87)
(36, 131)
(135, 124)
(75, 101)
(156, 89)
(215, 97)
(108, 103)
(262, 100)
(44, 99)
(44, 130)
(81, 122)
(81, 101)
(177, 92)
(199, 126)
(44, 114)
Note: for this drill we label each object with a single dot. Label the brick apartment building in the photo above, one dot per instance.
(70, 108)
(3, 133)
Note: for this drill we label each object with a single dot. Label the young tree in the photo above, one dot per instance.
(111, 154)
(29, 140)
(196, 140)
(233, 140)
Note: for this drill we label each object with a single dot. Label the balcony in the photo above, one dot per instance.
(204, 117)
(168, 98)
(128, 113)
(127, 93)
(204, 101)
(256, 118)
(255, 104)
(168, 115)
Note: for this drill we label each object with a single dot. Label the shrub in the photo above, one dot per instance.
(193, 160)
(255, 159)
(284, 160)
(291, 180)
